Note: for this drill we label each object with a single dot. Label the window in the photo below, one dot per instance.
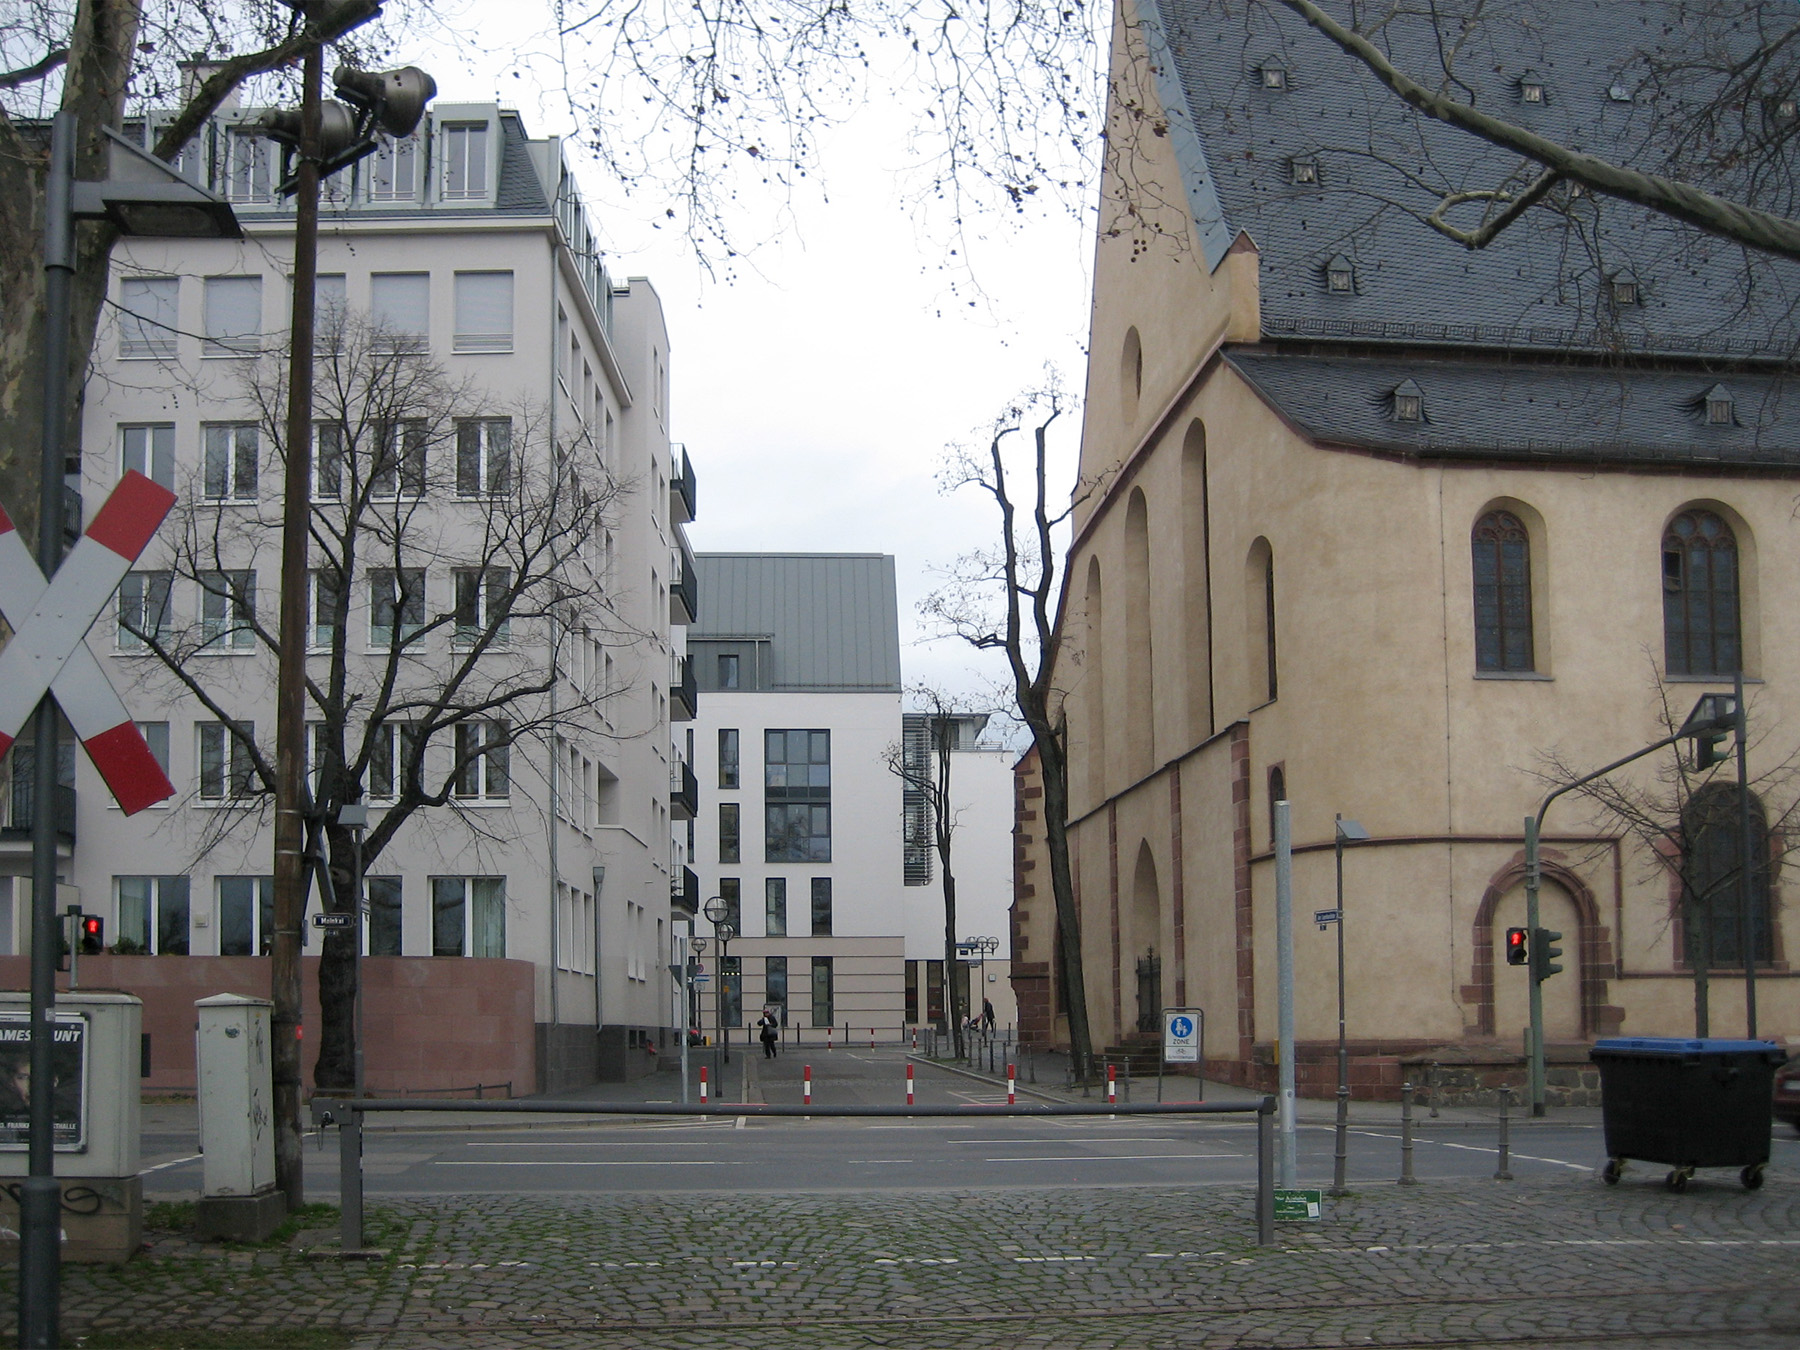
(728, 757)
(482, 599)
(824, 1009)
(911, 1012)
(1624, 289)
(143, 609)
(468, 916)
(392, 758)
(1700, 596)
(399, 468)
(821, 906)
(1303, 171)
(730, 827)
(731, 895)
(226, 769)
(396, 605)
(797, 796)
(1274, 76)
(1712, 899)
(147, 326)
(1721, 408)
(1531, 87)
(323, 601)
(227, 611)
(229, 463)
(465, 160)
(150, 450)
(484, 457)
(153, 916)
(400, 308)
(483, 754)
(1340, 275)
(731, 990)
(484, 312)
(250, 165)
(775, 986)
(233, 316)
(246, 915)
(775, 907)
(1409, 403)
(156, 736)
(328, 461)
(384, 915)
(1501, 554)
(394, 171)
(331, 305)
(728, 670)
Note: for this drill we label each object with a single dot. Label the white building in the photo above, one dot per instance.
(548, 865)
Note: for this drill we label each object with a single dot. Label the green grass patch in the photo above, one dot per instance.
(211, 1338)
(178, 1216)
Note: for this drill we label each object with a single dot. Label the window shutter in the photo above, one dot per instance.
(148, 328)
(401, 304)
(484, 311)
(233, 315)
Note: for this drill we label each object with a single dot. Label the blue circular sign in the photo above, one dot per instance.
(1181, 1027)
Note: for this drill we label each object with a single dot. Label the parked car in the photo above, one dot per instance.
(1787, 1092)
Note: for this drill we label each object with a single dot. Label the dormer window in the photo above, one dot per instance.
(1720, 410)
(1409, 403)
(1625, 289)
(1274, 75)
(1304, 170)
(1340, 276)
(1618, 93)
(1531, 87)
(1787, 108)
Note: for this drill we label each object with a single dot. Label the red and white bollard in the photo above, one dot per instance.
(915, 1040)
(909, 1085)
(1112, 1084)
(1012, 1086)
(806, 1085)
(871, 1038)
(827, 1038)
(703, 1085)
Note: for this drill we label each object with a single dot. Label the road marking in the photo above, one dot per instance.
(861, 1161)
(585, 1162)
(918, 1260)
(599, 1143)
(1112, 1157)
(174, 1162)
(1063, 1139)
(1041, 1259)
(1477, 1148)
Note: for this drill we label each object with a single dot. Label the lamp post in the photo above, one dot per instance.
(1347, 831)
(143, 196)
(983, 947)
(719, 915)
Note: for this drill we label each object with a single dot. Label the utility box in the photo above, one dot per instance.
(95, 1106)
(233, 1050)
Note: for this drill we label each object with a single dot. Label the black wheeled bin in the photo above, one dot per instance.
(1687, 1104)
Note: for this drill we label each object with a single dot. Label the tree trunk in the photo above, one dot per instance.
(1055, 772)
(950, 1008)
(335, 1068)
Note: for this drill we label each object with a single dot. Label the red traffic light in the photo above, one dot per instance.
(93, 935)
(1516, 952)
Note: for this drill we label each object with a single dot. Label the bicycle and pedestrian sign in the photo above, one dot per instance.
(1182, 1035)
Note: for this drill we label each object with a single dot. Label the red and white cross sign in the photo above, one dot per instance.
(50, 619)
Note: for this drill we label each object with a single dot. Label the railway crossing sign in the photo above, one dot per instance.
(50, 617)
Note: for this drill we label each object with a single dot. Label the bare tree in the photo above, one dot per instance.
(1003, 598)
(423, 488)
(1686, 822)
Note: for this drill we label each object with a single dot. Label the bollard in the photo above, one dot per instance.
(827, 1038)
(1265, 1173)
(1433, 1081)
(703, 1085)
(871, 1038)
(1406, 1142)
(1012, 1086)
(909, 1085)
(1504, 1171)
(1128, 1078)
(1342, 1154)
(915, 1040)
(805, 1085)
(1112, 1084)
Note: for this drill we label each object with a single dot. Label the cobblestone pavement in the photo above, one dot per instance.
(1565, 1263)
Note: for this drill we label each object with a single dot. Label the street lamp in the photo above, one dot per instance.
(1347, 832)
(140, 195)
(983, 947)
(719, 915)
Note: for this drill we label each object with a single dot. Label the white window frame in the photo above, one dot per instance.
(160, 891)
(227, 611)
(394, 170)
(480, 591)
(394, 743)
(400, 327)
(487, 774)
(137, 592)
(223, 769)
(484, 316)
(482, 902)
(385, 586)
(260, 935)
(466, 154)
(227, 305)
(230, 461)
(398, 472)
(149, 448)
(483, 457)
(149, 316)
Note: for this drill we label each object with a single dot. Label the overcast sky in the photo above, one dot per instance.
(816, 391)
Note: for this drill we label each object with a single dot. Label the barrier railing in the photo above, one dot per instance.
(347, 1114)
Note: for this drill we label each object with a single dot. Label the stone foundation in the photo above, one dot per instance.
(102, 1219)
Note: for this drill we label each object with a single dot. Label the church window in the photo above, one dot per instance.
(1500, 550)
(1700, 595)
(1712, 895)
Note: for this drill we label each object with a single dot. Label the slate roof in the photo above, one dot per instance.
(1484, 410)
(831, 620)
(1382, 167)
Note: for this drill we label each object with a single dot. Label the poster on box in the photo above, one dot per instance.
(68, 1082)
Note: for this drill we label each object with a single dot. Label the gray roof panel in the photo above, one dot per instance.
(832, 620)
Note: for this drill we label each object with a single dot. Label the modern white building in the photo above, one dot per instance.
(499, 637)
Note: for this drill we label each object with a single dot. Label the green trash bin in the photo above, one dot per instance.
(1687, 1104)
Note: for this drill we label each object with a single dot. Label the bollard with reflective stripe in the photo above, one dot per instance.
(909, 1085)
(806, 1086)
(1012, 1086)
(703, 1085)
(1112, 1084)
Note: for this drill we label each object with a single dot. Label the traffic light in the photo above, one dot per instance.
(93, 935)
(1544, 954)
(1706, 749)
(1515, 947)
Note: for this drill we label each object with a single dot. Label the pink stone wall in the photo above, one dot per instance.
(430, 1022)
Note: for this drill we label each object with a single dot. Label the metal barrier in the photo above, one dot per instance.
(347, 1115)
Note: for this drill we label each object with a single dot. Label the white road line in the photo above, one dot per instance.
(1476, 1148)
(173, 1162)
(583, 1162)
(861, 1161)
(1063, 1139)
(1113, 1157)
(600, 1143)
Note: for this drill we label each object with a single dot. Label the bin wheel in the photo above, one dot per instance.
(1614, 1169)
(1677, 1180)
(1752, 1177)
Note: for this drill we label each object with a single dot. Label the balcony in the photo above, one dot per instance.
(684, 792)
(684, 601)
(684, 892)
(18, 815)
(681, 487)
(684, 691)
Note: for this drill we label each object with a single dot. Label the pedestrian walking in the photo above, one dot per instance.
(769, 1030)
(987, 1016)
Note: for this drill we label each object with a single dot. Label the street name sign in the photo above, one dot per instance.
(334, 921)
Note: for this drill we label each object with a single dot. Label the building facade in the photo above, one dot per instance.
(498, 586)
(1408, 533)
